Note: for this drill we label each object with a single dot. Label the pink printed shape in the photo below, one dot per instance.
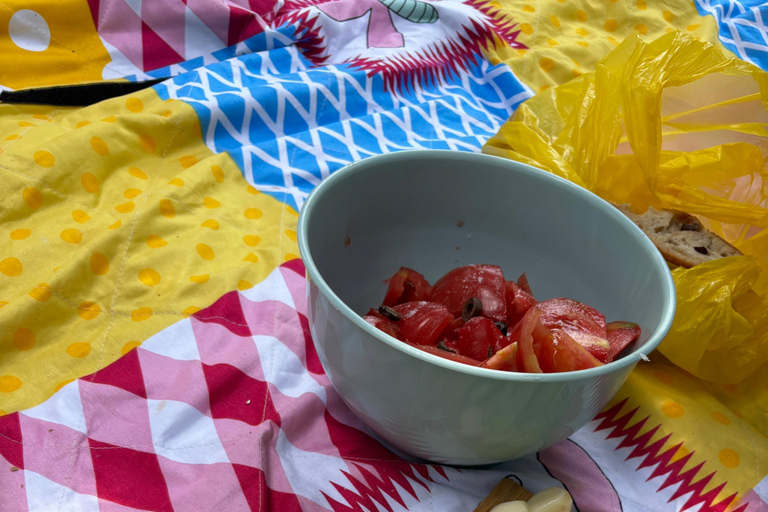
(226, 312)
(753, 502)
(157, 53)
(237, 396)
(166, 18)
(11, 448)
(296, 283)
(261, 496)
(125, 373)
(49, 452)
(121, 28)
(589, 487)
(276, 319)
(203, 486)
(12, 482)
(171, 379)
(218, 345)
(121, 472)
(302, 421)
(215, 15)
(116, 416)
(381, 32)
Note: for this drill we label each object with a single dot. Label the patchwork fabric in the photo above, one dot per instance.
(230, 409)
(154, 348)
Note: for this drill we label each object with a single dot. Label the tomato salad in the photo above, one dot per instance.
(473, 315)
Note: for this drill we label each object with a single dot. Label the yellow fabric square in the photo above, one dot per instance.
(116, 221)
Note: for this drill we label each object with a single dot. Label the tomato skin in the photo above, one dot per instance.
(406, 285)
(620, 336)
(382, 323)
(479, 338)
(422, 322)
(446, 355)
(585, 325)
(505, 359)
(518, 303)
(484, 282)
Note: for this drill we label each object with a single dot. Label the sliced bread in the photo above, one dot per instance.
(680, 237)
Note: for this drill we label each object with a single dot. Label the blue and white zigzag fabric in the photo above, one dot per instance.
(289, 124)
(743, 26)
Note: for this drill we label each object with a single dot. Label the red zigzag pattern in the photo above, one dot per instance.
(653, 455)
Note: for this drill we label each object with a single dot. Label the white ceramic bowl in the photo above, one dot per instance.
(433, 211)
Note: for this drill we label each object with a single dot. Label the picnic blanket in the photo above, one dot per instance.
(154, 348)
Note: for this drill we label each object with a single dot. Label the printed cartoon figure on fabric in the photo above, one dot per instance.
(155, 352)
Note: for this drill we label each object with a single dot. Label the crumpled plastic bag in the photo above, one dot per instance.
(673, 123)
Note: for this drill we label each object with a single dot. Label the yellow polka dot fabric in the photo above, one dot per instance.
(566, 38)
(116, 221)
(702, 416)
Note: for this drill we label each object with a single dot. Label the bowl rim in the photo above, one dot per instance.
(668, 313)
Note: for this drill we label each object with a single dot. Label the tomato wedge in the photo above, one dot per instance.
(584, 324)
(446, 355)
(472, 315)
(450, 333)
(422, 322)
(620, 336)
(523, 335)
(522, 282)
(406, 285)
(558, 352)
(505, 359)
(484, 282)
(518, 302)
(382, 323)
(479, 339)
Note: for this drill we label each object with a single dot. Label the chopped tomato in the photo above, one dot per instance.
(447, 355)
(449, 345)
(406, 285)
(523, 335)
(506, 328)
(422, 322)
(505, 359)
(382, 323)
(479, 339)
(450, 332)
(484, 282)
(584, 324)
(620, 336)
(522, 282)
(557, 352)
(518, 303)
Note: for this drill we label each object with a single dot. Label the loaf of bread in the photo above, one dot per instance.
(680, 237)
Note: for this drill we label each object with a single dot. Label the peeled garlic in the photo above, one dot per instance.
(511, 506)
(553, 499)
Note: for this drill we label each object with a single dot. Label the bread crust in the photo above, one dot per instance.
(679, 236)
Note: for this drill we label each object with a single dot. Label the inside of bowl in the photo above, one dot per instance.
(434, 211)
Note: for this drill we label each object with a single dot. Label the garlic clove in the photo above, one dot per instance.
(553, 499)
(511, 506)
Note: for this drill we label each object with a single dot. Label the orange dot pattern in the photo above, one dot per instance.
(566, 38)
(116, 241)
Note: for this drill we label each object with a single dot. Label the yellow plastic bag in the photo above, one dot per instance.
(672, 124)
